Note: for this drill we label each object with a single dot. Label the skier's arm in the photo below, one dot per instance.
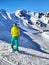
(11, 31)
(18, 32)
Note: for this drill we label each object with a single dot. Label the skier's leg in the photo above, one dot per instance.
(17, 43)
(12, 42)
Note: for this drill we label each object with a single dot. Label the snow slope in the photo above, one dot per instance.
(25, 56)
(33, 41)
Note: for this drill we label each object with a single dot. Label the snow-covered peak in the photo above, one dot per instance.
(2, 11)
(24, 17)
(47, 14)
(18, 12)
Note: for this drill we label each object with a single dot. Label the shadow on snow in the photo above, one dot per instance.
(32, 44)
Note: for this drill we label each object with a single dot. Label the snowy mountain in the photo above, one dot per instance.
(33, 41)
(26, 20)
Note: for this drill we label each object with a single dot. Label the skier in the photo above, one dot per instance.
(15, 32)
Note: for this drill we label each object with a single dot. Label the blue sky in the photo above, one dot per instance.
(31, 5)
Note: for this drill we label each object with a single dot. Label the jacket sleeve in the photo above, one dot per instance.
(11, 31)
(18, 32)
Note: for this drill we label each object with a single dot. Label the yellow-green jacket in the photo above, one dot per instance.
(15, 31)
